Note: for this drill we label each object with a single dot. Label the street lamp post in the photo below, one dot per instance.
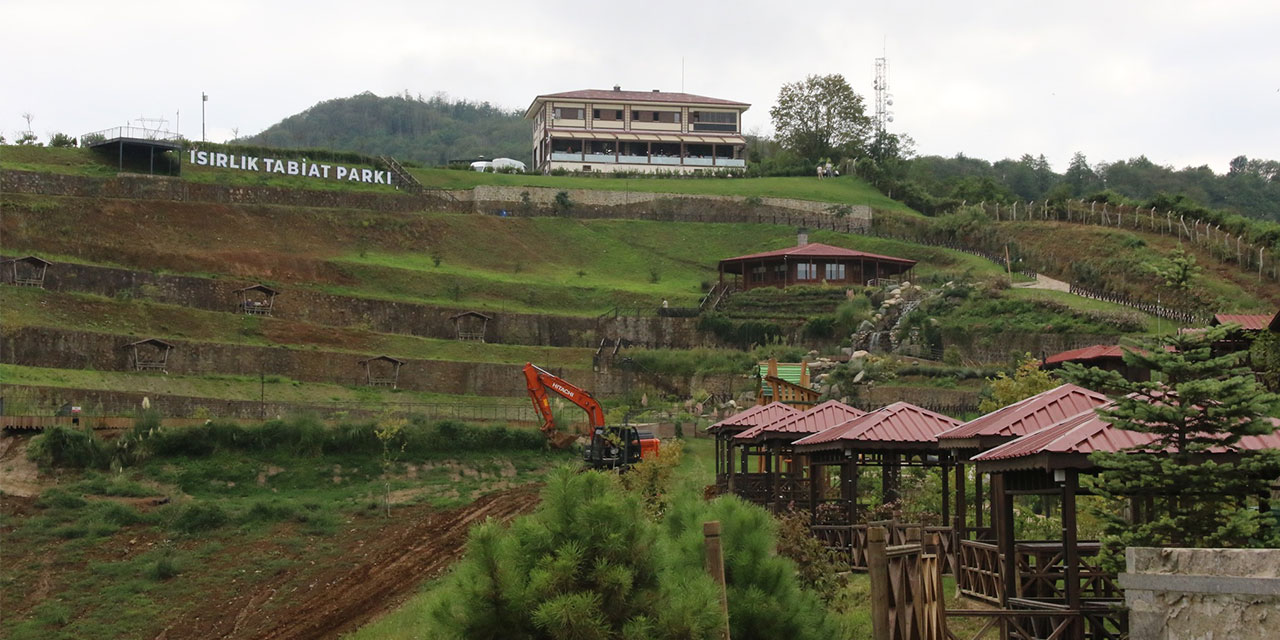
(204, 97)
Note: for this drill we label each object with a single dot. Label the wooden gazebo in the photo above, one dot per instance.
(150, 354)
(470, 325)
(785, 382)
(382, 371)
(256, 300)
(726, 429)
(898, 435)
(780, 477)
(813, 263)
(27, 271)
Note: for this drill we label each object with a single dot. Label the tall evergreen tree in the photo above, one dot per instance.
(1197, 406)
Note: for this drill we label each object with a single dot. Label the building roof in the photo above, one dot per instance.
(1248, 322)
(617, 95)
(258, 287)
(382, 357)
(30, 259)
(1025, 416)
(817, 250)
(1086, 433)
(898, 423)
(156, 341)
(819, 418)
(476, 314)
(756, 416)
(1086, 353)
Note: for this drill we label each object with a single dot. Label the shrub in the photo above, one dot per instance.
(164, 568)
(66, 447)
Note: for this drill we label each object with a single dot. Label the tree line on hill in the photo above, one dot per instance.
(428, 131)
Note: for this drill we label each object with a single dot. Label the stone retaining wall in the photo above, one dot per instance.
(1201, 594)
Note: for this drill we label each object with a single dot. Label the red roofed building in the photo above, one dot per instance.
(1022, 417)
(726, 429)
(812, 263)
(779, 477)
(1108, 357)
(650, 131)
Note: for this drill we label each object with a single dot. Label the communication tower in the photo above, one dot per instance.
(884, 99)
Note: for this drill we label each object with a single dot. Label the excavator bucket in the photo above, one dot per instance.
(561, 440)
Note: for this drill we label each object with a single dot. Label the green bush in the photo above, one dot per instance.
(59, 499)
(62, 446)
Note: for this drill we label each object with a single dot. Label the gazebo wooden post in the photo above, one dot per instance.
(770, 475)
(1004, 539)
(946, 490)
(849, 489)
(977, 500)
(729, 461)
(890, 469)
(962, 511)
(1071, 550)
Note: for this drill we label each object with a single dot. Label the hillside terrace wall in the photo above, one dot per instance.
(63, 349)
(66, 349)
(382, 316)
(987, 347)
(587, 203)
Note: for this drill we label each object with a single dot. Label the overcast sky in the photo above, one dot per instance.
(1183, 82)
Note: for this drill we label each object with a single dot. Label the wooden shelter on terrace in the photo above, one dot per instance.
(382, 371)
(1107, 357)
(1064, 573)
(813, 263)
(785, 382)
(900, 434)
(27, 271)
(726, 429)
(470, 325)
(150, 354)
(1251, 324)
(256, 300)
(780, 477)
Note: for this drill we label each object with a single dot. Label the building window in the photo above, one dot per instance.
(617, 115)
(715, 121)
(757, 274)
(835, 272)
(806, 272)
(568, 113)
(655, 115)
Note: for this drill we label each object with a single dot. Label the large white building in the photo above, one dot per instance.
(603, 130)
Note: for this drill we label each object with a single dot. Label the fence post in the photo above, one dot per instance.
(715, 566)
(878, 570)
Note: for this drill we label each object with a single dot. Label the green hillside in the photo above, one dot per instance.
(431, 131)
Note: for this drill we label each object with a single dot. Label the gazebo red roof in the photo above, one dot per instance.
(818, 250)
(756, 416)
(1086, 432)
(1248, 322)
(1087, 353)
(898, 423)
(1025, 416)
(819, 418)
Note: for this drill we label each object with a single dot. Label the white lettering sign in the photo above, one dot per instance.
(287, 167)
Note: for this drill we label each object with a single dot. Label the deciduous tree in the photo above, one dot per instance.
(821, 116)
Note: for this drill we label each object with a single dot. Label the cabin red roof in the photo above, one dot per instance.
(1248, 322)
(900, 422)
(1086, 432)
(1086, 353)
(817, 250)
(1029, 415)
(756, 416)
(819, 418)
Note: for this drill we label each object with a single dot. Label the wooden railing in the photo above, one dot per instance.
(790, 489)
(978, 571)
(752, 487)
(850, 541)
(1042, 572)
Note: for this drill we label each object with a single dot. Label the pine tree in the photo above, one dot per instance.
(1197, 403)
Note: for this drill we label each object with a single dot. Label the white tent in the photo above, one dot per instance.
(481, 165)
(507, 163)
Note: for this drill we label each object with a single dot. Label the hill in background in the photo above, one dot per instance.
(429, 131)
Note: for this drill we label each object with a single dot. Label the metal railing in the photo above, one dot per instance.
(136, 133)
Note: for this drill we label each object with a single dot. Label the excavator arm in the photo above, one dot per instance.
(539, 381)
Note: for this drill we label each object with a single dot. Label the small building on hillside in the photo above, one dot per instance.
(1251, 324)
(649, 131)
(786, 383)
(1106, 357)
(813, 263)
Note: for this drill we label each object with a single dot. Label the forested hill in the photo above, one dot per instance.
(429, 131)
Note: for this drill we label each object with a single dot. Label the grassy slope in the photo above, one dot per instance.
(30, 307)
(846, 189)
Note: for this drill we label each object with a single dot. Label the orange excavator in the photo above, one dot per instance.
(608, 447)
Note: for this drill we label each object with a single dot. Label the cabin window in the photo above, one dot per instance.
(806, 272)
(835, 272)
(757, 274)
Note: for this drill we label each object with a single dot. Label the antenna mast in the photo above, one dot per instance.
(884, 99)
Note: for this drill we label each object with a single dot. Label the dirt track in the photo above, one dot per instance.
(389, 568)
